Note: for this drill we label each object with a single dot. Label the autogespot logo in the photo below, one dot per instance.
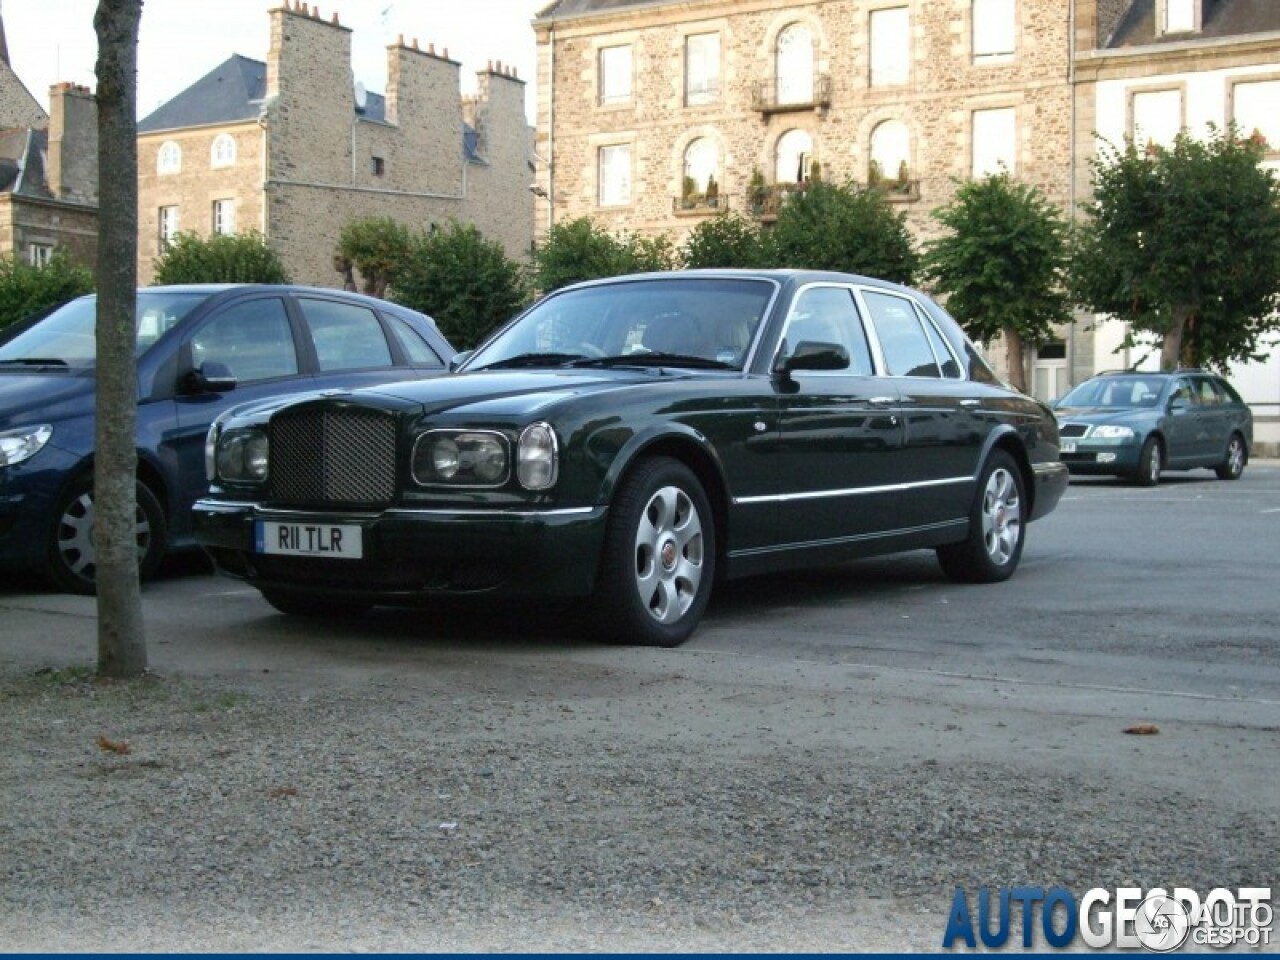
(1157, 920)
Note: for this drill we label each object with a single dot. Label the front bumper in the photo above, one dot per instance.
(1100, 457)
(415, 554)
(1051, 481)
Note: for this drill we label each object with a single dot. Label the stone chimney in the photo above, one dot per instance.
(72, 170)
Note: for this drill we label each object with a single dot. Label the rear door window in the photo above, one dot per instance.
(905, 345)
(346, 336)
(415, 345)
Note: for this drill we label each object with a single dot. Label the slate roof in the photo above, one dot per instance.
(1222, 18)
(22, 155)
(572, 8)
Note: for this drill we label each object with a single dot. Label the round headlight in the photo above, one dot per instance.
(444, 457)
(242, 456)
(255, 456)
(489, 459)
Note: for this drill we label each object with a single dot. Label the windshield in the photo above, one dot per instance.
(707, 322)
(66, 337)
(1115, 392)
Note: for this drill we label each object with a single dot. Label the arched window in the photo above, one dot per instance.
(169, 160)
(890, 150)
(795, 64)
(701, 162)
(792, 157)
(223, 153)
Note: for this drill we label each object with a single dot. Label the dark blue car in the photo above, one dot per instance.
(200, 350)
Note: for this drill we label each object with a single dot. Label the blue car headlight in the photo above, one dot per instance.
(23, 443)
(1112, 432)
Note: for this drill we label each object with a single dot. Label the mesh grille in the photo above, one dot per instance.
(1073, 430)
(333, 456)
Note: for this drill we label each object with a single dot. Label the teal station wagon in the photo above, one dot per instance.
(631, 441)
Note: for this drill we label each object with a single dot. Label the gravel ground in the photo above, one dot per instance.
(548, 806)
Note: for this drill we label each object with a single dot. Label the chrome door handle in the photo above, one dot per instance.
(970, 403)
(881, 401)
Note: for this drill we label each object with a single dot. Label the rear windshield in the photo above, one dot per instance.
(66, 337)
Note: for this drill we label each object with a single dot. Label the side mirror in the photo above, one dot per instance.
(813, 355)
(210, 377)
(459, 359)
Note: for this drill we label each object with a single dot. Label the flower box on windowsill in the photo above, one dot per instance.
(699, 205)
(899, 191)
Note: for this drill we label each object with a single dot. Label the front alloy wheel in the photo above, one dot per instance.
(997, 527)
(659, 557)
(72, 557)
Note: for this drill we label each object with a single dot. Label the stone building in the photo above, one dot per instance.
(294, 149)
(48, 169)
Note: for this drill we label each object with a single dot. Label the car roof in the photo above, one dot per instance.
(791, 275)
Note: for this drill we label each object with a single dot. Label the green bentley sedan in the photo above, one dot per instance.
(631, 441)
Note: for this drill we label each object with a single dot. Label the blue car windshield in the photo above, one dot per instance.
(66, 337)
(708, 322)
(1115, 392)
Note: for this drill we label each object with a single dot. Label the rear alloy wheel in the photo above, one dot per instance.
(71, 554)
(659, 557)
(308, 605)
(1148, 472)
(997, 527)
(1232, 464)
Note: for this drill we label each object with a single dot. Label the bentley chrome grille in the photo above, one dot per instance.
(333, 455)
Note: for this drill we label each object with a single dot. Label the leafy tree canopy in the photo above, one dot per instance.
(1184, 242)
(26, 290)
(725, 240)
(578, 250)
(464, 281)
(222, 258)
(375, 246)
(847, 227)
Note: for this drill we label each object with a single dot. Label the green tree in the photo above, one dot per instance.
(26, 290)
(464, 281)
(222, 258)
(1002, 265)
(122, 642)
(725, 240)
(376, 247)
(847, 227)
(578, 250)
(1184, 243)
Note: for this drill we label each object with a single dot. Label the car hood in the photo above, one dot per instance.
(31, 397)
(1099, 415)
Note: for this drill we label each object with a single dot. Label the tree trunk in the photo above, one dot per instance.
(122, 645)
(1014, 359)
(1171, 348)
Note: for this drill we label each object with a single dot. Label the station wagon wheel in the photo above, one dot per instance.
(297, 604)
(659, 557)
(71, 556)
(997, 527)
(1148, 472)
(1232, 464)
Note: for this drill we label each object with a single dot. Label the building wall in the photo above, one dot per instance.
(936, 103)
(24, 221)
(18, 108)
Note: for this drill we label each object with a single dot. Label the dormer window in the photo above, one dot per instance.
(1181, 16)
(169, 159)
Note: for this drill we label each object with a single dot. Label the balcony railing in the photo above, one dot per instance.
(699, 204)
(765, 202)
(765, 98)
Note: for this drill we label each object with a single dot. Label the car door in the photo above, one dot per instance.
(1216, 420)
(257, 341)
(840, 431)
(946, 417)
(1182, 424)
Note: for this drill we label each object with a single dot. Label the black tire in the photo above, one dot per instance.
(70, 555)
(997, 526)
(1233, 460)
(659, 557)
(1149, 463)
(308, 605)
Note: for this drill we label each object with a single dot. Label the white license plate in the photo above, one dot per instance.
(338, 541)
(1068, 446)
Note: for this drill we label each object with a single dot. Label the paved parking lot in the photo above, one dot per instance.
(914, 735)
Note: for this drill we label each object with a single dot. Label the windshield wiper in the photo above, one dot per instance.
(648, 359)
(534, 360)
(35, 362)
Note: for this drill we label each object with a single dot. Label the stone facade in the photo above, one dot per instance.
(311, 161)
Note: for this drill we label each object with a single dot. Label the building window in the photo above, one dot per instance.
(890, 46)
(890, 152)
(224, 216)
(795, 64)
(615, 75)
(994, 29)
(792, 157)
(994, 142)
(615, 175)
(701, 69)
(1253, 110)
(39, 254)
(223, 153)
(377, 166)
(701, 161)
(169, 159)
(1156, 116)
(1180, 16)
(168, 226)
